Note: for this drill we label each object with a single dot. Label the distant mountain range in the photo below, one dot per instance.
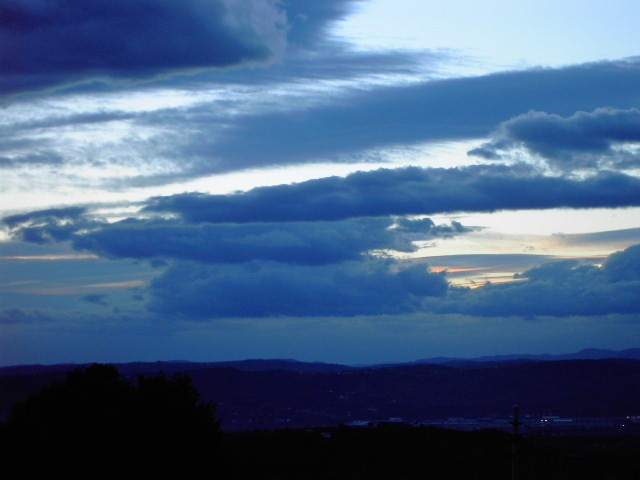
(316, 367)
(586, 354)
(269, 394)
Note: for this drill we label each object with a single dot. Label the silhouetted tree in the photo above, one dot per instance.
(94, 420)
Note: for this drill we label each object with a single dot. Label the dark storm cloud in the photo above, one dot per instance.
(562, 288)
(302, 249)
(405, 191)
(309, 243)
(372, 287)
(380, 117)
(195, 291)
(309, 18)
(48, 42)
(584, 139)
(318, 268)
(319, 221)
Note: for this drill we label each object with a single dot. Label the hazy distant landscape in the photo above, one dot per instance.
(579, 418)
(470, 393)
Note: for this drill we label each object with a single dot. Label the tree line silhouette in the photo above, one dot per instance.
(94, 420)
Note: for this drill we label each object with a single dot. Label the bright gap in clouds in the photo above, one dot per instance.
(499, 34)
(552, 222)
(555, 232)
(512, 242)
(40, 192)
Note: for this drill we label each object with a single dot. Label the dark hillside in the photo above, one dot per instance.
(292, 394)
(96, 422)
(577, 388)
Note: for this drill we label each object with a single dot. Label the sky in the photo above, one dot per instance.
(350, 181)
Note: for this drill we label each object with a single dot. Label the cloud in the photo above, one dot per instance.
(302, 249)
(189, 290)
(95, 299)
(620, 238)
(405, 115)
(320, 221)
(45, 226)
(310, 243)
(36, 159)
(343, 106)
(51, 215)
(18, 316)
(428, 225)
(50, 42)
(309, 19)
(321, 268)
(405, 191)
(258, 289)
(583, 140)
(624, 266)
(562, 288)
(306, 242)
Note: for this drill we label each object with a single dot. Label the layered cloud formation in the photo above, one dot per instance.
(240, 124)
(433, 110)
(50, 42)
(321, 247)
(126, 124)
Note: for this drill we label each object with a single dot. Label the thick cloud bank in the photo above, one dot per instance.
(561, 288)
(304, 243)
(373, 287)
(311, 243)
(406, 191)
(319, 221)
(583, 140)
(317, 248)
(47, 42)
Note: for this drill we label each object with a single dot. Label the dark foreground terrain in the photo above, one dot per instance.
(404, 452)
(98, 423)
(391, 452)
